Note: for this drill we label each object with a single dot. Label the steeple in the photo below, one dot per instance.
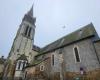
(30, 12)
(29, 16)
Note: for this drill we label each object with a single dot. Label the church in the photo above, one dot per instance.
(75, 56)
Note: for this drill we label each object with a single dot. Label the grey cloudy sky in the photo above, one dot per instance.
(51, 16)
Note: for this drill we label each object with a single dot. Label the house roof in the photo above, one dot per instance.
(36, 48)
(22, 57)
(85, 32)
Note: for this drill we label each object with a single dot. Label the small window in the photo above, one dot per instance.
(42, 68)
(19, 64)
(76, 54)
(53, 59)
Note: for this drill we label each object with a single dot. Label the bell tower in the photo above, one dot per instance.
(28, 24)
(25, 37)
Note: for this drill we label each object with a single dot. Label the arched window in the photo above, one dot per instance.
(24, 63)
(26, 30)
(29, 33)
(52, 59)
(19, 64)
(77, 57)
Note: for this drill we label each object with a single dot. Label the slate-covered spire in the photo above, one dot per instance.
(30, 13)
(29, 16)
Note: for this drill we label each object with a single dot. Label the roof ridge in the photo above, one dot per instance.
(82, 33)
(70, 33)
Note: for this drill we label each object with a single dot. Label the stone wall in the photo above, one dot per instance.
(90, 75)
(67, 68)
(88, 57)
(97, 47)
(1, 67)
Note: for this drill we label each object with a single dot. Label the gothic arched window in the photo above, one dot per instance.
(24, 64)
(52, 59)
(77, 57)
(29, 33)
(26, 30)
(19, 64)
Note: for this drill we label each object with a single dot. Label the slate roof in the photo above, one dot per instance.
(36, 48)
(31, 11)
(85, 32)
(29, 17)
(22, 57)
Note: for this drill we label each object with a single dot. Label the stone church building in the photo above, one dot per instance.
(75, 56)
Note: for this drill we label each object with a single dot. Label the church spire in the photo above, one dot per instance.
(29, 16)
(30, 13)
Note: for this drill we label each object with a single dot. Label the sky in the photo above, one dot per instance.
(51, 17)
